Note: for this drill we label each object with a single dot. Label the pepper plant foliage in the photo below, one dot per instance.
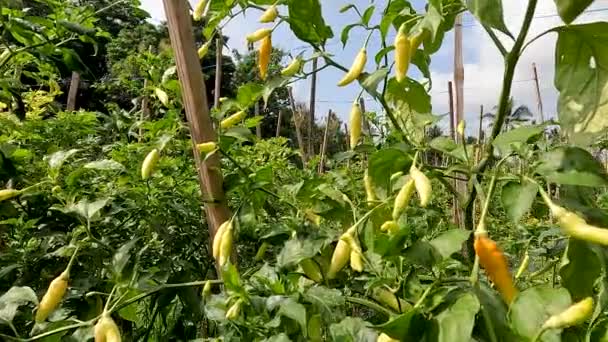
(315, 256)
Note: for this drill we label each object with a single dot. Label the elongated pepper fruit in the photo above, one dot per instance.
(386, 297)
(207, 147)
(234, 311)
(293, 68)
(574, 225)
(206, 294)
(494, 262)
(217, 239)
(149, 164)
(416, 41)
(370, 193)
(258, 35)
(423, 185)
(574, 315)
(339, 259)
(6, 194)
(51, 299)
(311, 270)
(106, 330)
(233, 119)
(356, 68)
(355, 124)
(385, 338)
(261, 251)
(356, 260)
(403, 198)
(264, 56)
(270, 14)
(390, 227)
(199, 9)
(402, 54)
(225, 246)
(524, 266)
(202, 51)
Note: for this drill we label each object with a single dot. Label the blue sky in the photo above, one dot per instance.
(483, 64)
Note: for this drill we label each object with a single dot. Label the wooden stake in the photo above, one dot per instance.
(313, 96)
(73, 92)
(452, 116)
(324, 144)
(279, 123)
(539, 99)
(366, 127)
(218, 70)
(258, 127)
(479, 135)
(197, 112)
(297, 125)
(145, 110)
(458, 70)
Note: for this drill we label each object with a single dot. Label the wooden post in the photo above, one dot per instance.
(279, 123)
(458, 70)
(145, 110)
(218, 70)
(366, 127)
(538, 97)
(197, 112)
(313, 96)
(297, 125)
(346, 137)
(258, 127)
(479, 135)
(452, 116)
(73, 92)
(324, 144)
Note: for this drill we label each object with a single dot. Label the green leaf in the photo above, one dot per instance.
(407, 97)
(306, 21)
(450, 242)
(162, 96)
(383, 52)
(581, 74)
(15, 297)
(571, 166)
(448, 146)
(422, 253)
(105, 165)
(371, 81)
(581, 266)
(352, 330)
(346, 7)
(384, 163)
(367, 15)
(532, 307)
(57, 159)
(409, 326)
(511, 140)
(496, 310)
(517, 198)
(570, 9)
(457, 321)
(346, 32)
(122, 256)
(248, 94)
(294, 310)
(489, 13)
(295, 251)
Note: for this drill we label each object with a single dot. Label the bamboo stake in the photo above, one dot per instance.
(73, 92)
(297, 125)
(313, 97)
(218, 70)
(324, 144)
(278, 134)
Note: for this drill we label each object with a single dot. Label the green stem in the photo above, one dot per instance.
(538, 335)
(71, 262)
(370, 304)
(425, 294)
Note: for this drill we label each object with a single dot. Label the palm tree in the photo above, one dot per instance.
(518, 117)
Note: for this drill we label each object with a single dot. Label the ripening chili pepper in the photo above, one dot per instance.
(574, 225)
(311, 270)
(225, 246)
(460, 128)
(197, 13)
(355, 124)
(390, 227)
(370, 193)
(149, 163)
(403, 198)
(356, 68)
(356, 260)
(415, 42)
(423, 185)
(206, 290)
(494, 262)
(574, 315)
(396, 176)
(402, 54)
(207, 147)
(6, 194)
(234, 311)
(315, 328)
(51, 299)
(217, 239)
(293, 68)
(264, 56)
(270, 14)
(385, 338)
(106, 330)
(386, 297)
(202, 51)
(233, 119)
(338, 259)
(259, 34)
(261, 251)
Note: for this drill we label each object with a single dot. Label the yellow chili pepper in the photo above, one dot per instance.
(574, 315)
(264, 56)
(356, 69)
(355, 124)
(402, 54)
